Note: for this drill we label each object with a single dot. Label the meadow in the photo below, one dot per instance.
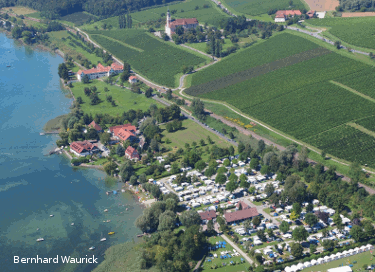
(78, 18)
(124, 98)
(258, 7)
(355, 31)
(19, 10)
(297, 98)
(160, 62)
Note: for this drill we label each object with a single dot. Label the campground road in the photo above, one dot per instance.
(237, 248)
(260, 209)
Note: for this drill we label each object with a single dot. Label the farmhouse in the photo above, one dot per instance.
(207, 216)
(311, 13)
(131, 153)
(83, 148)
(282, 15)
(133, 79)
(241, 215)
(123, 132)
(100, 71)
(187, 24)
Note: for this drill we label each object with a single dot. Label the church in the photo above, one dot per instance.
(170, 27)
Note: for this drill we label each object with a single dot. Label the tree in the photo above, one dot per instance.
(297, 208)
(63, 71)
(337, 44)
(357, 233)
(85, 79)
(126, 170)
(312, 248)
(284, 226)
(323, 154)
(120, 151)
(300, 234)
(190, 218)
(323, 216)
(338, 221)
(265, 170)
(231, 186)
(254, 163)
(210, 226)
(296, 250)
(148, 92)
(256, 221)
(209, 140)
(105, 138)
(247, 225)
(226, 162)
(143, 178)
(269, 189)
(200, 165)
(293, 216)
(309, 207)
(244, 184)
(133, 180)
(221, 179)
(167, 221)
(109, 167)
(311, 219)
(197, 107)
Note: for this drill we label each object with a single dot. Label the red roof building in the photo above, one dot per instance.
(170, 26)
(123, 134)
(131, 153)
(129, 127)
(282, 15)
(95, 126)
(133, 79)
(311, 13)
(243, 205)
(100, 71)
(240, 215)
(83, 148)
(208, 215)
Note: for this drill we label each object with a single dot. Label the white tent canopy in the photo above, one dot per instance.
(313, 262)
(307, 264)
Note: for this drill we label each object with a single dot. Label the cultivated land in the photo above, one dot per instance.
(78, 17)
(125, 99)
(322, 5)
(149, 56)
(19, 10)
(298, 98)
(258, 7)
(355, 31)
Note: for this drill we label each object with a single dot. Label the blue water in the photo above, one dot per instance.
(33, 186)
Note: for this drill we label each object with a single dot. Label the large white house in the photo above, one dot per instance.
(282, 15)
(100, 71)
(170, 26)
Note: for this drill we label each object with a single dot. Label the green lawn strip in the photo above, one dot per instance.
(367, 122)
(191, 132)
(364, 130)
(353, 91)
(124, 44)
(124, 98)
(360, 259)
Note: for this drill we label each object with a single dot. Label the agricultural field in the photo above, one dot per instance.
(159, 61)
(355, 31)
(368, 123)
(124, 98)
(258, 7)
(253, 56)
(19, 10)
(78, 18)
(300, 99)
(346, 142)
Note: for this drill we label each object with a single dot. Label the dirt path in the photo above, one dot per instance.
(357, 14)
(247, 258)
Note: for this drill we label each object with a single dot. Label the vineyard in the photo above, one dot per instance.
(258, 7)
(347, 142)
(355, 31)
(153, 58)
(368, 123)
(255, 56)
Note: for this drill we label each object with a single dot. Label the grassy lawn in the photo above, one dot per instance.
(199, 46)
(191, 132)
(237, 267)
(19, 10)
(125, 99)
(363, 258)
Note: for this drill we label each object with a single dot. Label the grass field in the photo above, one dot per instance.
(159, 61)
(259, 7)
(125, 99)
(191, 132)
(19, 10)
(354, 31)
(362, 258)
(298, 98)
(78, 18)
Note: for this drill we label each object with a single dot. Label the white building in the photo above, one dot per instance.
(187, 24)
(100, 71)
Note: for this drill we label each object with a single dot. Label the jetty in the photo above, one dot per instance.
(49, 132)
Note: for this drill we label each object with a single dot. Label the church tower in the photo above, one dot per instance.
(168, 18)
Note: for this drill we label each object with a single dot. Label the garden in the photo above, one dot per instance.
(159, 61)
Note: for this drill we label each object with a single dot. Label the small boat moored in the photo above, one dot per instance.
(111, 233)
(92, 248)
(103, 239)
(106, 210)
(72, 224)
(51, 215)
(40, 239)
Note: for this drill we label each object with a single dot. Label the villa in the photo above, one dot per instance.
(100, 71)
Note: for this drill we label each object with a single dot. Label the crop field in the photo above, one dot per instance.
(258, 7)
(19, 10)
(78, 17)
(159, 61)
(211, 15)
(362, 81)
(255, 56)
(346, 142)
(355, 31)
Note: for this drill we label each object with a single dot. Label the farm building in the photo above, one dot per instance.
(240, 215)
(100, 71)
(187, 24)
(282, 15)
(133, 79)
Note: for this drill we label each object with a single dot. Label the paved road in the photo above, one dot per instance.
(316, 35)
(247, 258)
(261, 210)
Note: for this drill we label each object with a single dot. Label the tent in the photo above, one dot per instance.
(288, 269)
(313, 262)
(345, 253)
(294, 268)
(320, 261)
(327, 259)
(307, 264)
(351, 251)
(300, 266)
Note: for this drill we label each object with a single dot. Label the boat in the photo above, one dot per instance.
(106, 210)
(103, 239)
(92, 248)
(40, 239)
(72, 224)
(51, 215)
(8, 65)
(108, 221)
(41, 134)
(111, 233)
(37, 229)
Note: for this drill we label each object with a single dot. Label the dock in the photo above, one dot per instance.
(48, 132)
